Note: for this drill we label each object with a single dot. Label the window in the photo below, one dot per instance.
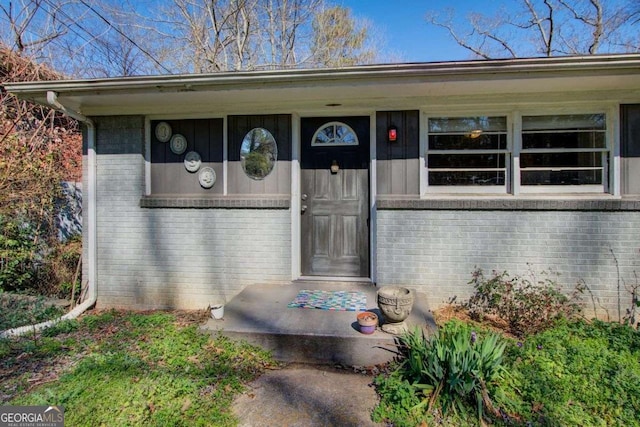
(334, 133)
(564, 150)
(559, 153)
(465, 152)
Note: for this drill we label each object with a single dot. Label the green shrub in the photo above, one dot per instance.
(527, 305)
(34, 263)
(456, 370)
(20, 310)
(59, 268)
(17, 255)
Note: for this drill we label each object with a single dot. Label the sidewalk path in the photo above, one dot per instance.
(308, 395)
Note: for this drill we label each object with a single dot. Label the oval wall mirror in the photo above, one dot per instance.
(258, 153)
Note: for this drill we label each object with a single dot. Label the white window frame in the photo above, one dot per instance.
(605, 153)
(468, 189)
(513, 187)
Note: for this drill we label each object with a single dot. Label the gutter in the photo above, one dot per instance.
(52, 101)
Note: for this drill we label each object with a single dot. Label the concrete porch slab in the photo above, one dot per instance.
(259, 315)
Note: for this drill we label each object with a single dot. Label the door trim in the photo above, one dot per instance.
(373, 194)
(296, 235)
(296, 244)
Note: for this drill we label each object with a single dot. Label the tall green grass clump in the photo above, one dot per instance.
(455, 373)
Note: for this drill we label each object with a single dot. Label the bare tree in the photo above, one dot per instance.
(98, 38)
(30, 25)
(267, 34)
(215, 35)
(88, 38)
(286, 32)
(125, 46)
(545, 28)
(339, 40)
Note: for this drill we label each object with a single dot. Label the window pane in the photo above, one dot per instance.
(466, 178)
(564, 140)
(325, 135)
(565, 177)
(466, 161)
(346, 135)
(565, 122)
(467, 124)
(468, 142)
(334, 133)
(532, 160)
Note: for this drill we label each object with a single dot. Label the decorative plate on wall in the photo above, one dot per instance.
(178, 144)
(163, 131)
(207, 177)
(192, 161)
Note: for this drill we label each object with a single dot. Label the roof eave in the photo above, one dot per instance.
(478, 69)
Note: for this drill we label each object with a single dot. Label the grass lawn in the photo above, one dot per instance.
(123, 368)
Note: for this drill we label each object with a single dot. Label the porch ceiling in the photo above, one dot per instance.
(594, 78)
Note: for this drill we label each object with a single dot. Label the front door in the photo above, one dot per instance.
(335, 196)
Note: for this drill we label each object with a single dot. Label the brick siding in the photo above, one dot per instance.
(436, 251)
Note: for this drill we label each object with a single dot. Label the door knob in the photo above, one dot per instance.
(304, 197)
(303, 208)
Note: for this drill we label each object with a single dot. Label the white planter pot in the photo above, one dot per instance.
(217, 311)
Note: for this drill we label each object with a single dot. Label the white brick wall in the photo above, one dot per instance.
(437, 250)
(175, 258)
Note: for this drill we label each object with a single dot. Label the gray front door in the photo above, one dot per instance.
(335, 196)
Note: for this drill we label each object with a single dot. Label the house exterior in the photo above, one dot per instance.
(414, 174)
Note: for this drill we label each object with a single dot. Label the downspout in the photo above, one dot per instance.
(90, 197)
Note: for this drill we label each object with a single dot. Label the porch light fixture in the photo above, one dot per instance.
(334, 167)
(392, 134)
(475, 133)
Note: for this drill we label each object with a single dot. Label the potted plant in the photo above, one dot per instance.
(367, 321)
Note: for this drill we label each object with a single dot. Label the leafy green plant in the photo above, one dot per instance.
(399, 401)
(528, 305)
(17, 254)
(19, 310)
(63, 327)
(32, 262)
(455, 370)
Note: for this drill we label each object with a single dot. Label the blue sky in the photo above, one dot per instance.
(405, 29)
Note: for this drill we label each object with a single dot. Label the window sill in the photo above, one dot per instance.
(565, 202)
(218, 202)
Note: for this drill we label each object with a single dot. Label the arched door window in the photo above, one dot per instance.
(334, 133)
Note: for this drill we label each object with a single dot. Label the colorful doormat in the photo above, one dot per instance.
(330, 300)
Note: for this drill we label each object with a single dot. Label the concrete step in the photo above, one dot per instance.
(259, 315)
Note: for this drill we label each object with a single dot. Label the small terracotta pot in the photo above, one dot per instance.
(367, 321)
